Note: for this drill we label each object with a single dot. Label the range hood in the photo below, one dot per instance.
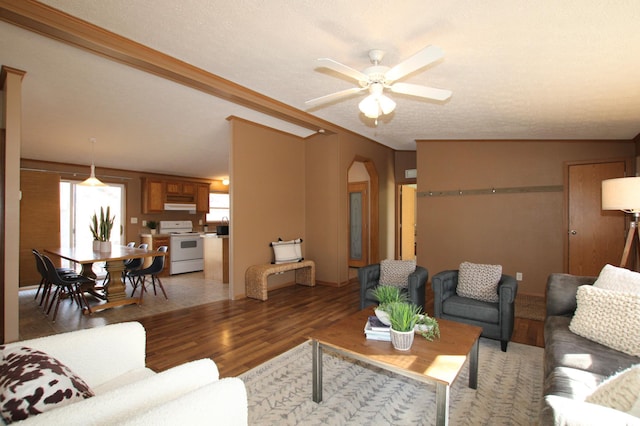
(191, 208)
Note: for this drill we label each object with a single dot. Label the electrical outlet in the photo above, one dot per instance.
(134, 220)
(144, 223)
(518, 276)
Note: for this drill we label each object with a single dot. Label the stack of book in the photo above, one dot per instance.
(374, 329)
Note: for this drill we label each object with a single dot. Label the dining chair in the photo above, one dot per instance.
(44, 280)
(65, 286)
(133, 265)
(140, 275)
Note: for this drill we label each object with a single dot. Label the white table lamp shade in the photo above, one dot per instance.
(621, 194)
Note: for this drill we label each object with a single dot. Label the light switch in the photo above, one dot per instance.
(134, 220)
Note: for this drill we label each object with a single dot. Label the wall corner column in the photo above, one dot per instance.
(11, 83)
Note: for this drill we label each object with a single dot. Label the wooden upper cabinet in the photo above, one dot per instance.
(153, 196)
(157, 192)
(202, 198)
(174, 188)
(189, 188)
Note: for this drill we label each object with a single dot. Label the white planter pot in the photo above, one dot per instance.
(402, 340)
(152, 231)
(105, 246)
(96, 245)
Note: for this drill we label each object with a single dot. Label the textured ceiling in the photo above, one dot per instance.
(518, 70)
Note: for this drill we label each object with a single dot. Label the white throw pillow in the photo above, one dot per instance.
(287, 251)
(608, 317)
(480, 282)
(620, 391)
(618, 279)
(396, 272)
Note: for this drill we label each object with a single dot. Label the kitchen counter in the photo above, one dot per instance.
(216, 257)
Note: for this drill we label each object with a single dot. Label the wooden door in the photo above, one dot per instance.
(358, 224)
(595, 236)
(408, 222)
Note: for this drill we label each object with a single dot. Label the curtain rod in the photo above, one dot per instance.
(490, 191)
(74, 174)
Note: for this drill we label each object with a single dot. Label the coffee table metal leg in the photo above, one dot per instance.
(442, 404)
(316, 351)
(473, 365)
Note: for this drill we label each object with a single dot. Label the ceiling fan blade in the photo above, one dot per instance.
(421, 91)
(334, 96)
(421, 59)
(344, 69)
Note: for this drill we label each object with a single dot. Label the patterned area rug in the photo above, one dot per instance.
(509, 391)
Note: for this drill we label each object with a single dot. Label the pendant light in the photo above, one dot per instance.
(92, 180)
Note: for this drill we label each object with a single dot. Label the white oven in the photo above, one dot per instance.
(186, 246)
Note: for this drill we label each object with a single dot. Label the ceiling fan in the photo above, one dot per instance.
(378, 78)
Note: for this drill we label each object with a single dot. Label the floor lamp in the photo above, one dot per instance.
(624, 194)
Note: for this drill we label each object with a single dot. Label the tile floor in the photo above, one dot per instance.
(183, 290)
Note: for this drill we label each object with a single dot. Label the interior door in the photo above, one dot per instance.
(595, 236)
(358, 224)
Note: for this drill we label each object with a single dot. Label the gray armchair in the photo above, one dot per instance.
(369, 276)
(496, 319)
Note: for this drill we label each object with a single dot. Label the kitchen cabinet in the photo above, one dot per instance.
(157, 192)
(153, 195)
(155, 241)
(202, 198)
(216, 257)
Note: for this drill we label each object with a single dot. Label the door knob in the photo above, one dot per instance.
(573, 232)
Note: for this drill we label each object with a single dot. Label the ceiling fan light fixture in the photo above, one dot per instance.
(369, 106)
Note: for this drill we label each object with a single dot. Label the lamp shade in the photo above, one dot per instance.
(621, 194)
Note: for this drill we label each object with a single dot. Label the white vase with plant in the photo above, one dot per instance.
(101, 229)
(403, 317)
(152, 225)
(387, 295)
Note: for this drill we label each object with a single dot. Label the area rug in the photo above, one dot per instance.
(509, 391)
(530, 307)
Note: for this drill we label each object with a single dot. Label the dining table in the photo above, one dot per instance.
(113, 291)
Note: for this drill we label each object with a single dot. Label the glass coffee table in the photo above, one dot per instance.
(438, 362)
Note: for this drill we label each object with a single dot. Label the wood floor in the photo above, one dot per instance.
(239, 335)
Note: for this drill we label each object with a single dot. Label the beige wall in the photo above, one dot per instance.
(523, 231)
(267, 197)
(309, 179)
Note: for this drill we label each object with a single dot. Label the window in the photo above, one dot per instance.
(218, 207)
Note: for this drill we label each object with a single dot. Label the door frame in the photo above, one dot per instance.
(630, 171)
(362, 187)
(374, 209)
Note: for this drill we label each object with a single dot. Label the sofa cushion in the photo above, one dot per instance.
(479, 281)
(620, 391)
(287, 251)
(33, 382)
(396, 272)
(566, 349)
(477, 310)
(618, 279)
(609, 317)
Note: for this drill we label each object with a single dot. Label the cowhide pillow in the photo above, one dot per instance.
(32, 382)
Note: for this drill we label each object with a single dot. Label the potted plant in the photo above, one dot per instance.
(152, 225)
(403, 317)
(386, 295)
(101, 228)
(427, 327)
